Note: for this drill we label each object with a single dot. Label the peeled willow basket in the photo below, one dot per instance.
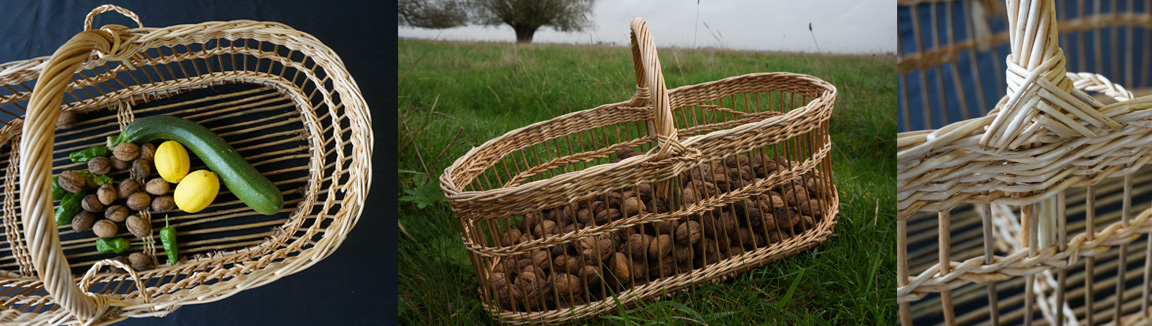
(277, 95)
(1031, 212)
(561, 199)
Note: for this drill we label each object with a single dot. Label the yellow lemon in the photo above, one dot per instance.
(196, 191)
(171, 161)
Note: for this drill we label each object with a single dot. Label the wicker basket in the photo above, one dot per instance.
(580, 194)
(279, 96)
(1023, 215)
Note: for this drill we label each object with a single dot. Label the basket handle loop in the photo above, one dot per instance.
(1041, 98)
(38, 134)
(650, 86)
(106, 8)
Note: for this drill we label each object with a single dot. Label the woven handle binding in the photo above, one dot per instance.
(38, 134)
(650, 80)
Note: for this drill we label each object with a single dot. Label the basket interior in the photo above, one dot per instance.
(586, 139)
(270, 101)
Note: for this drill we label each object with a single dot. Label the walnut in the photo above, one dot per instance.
(83, 221)
(510, 237)
(811, 207)
(545, 228)
(163, 204)
(633, 206)
(138, 226)
(157, 186)
(67, 120)
(601, 245)
(529, 222)
(106, 194)
(139, 201)
(736, 161)
(119, 165)
(567, 264)
(99, 165)
(535, 289)
(105, 228)
(585, 216)
(141, 169)
(148, 152)
(663, 267)
(658, 206)
(644, 191)
(689, 196)
(91, 204)
(607, 216)
(116, 213)
(660, 247)
(126, 152)
(590, 275)
(598, 206)
(567, 285)
(621, 267)
(688, 232)
(71, 181)
(637, 245)
(140, 261)
(127, 188)
(796, 195)
(682, 252)
(541, 260)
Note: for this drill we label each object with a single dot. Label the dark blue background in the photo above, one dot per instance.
(356, 285)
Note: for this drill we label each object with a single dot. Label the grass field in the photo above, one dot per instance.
(454, 96)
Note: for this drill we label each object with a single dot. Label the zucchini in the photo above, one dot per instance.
(251, 187)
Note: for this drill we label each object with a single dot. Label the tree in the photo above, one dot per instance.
(527, 16)
(436, 14)
(524, 16)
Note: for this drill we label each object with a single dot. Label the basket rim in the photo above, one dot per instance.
(827, 93)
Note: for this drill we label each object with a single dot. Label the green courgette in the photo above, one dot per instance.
(251, 187)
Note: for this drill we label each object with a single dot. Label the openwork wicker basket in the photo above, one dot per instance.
(528, 201)
(1025, 214)
(277, 95)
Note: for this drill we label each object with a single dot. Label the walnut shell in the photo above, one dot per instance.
(72, 182)
(590, 275)
(127, 188)
(660, 247)
(99, 165)
(163, 204)
(510, 237)
(633, 206)
(688, 232)
(157, 187)
(607, 216)
(138, 226)
(83, 221)
(119, 165)
(148, 152)
(682, 252)
(126, 152)
(139, 201)
(736, 161)
(529, 222)
(92, 204)
(140, 261)
(621, 267)
(795, 196)
(116, 213)
(66, 120)
(567, 285)
(105, 228)
(141, 169)
(106, 194)
(637, 245)
(545, 228)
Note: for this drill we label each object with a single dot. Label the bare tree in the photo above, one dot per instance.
(432, 13)
(527, 16)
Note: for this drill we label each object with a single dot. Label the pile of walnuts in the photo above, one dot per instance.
(585, 270)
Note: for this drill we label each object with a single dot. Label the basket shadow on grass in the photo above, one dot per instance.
(454, 96)
(239, 113)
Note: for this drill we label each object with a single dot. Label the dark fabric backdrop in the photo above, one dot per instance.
(356, 285)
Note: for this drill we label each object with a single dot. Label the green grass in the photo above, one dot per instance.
(454, 96)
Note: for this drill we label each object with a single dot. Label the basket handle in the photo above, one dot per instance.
(38, 133)
(650, 84)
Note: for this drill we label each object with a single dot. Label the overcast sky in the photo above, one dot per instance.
(840, 26)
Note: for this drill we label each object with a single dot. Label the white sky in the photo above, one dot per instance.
(840, 26)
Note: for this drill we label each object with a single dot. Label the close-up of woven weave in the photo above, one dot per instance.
(1021, 194)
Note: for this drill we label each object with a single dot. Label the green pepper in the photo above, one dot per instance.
(168, 239)
(114, 245)
(57, 191)
(94, 180)
(69, 207)
(88, 154)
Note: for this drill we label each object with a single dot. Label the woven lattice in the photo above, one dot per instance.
(277, 95)
(573, 161)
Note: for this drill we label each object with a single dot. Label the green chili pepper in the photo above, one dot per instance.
(69, 207)
(88, 154)
(94, 180)
(114, 245)
(57, 191)
(168, 239)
